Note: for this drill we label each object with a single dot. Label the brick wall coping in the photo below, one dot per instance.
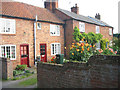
(97, 59)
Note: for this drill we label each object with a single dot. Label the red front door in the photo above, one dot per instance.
(43, 53)
(24, 52)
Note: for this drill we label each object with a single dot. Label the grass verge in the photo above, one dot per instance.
(31, 81)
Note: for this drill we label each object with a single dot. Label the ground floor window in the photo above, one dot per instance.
(55, 48)
(8, 51)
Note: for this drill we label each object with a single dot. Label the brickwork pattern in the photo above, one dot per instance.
(99, 72)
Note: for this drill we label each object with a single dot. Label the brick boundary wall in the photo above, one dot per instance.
(7, 68)
(100, 72)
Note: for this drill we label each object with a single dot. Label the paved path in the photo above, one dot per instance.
(15, 84)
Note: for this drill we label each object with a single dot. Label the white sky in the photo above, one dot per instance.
(108, 9)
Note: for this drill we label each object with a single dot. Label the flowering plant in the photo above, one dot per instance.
(81, 51)
(53, 60)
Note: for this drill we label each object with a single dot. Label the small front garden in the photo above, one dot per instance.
(21, 72)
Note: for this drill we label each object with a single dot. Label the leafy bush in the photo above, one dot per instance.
(53, 60)
(81, 51)
(27, 71)
(21, 67)
(103, 43)
(17, 72)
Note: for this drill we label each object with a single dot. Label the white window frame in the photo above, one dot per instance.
(82, 27)
(39, 28)
(55, 29)
(12, 26)
(54, 49)
(110, 31)
(10, 51)
(97, 29)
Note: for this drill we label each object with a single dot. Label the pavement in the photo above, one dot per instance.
(15, 83)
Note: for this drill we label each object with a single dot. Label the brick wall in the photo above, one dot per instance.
(6, 68)
(99, 72)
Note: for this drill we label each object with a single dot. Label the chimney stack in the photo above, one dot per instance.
(51, 4)
(97, 16)
(75, 9)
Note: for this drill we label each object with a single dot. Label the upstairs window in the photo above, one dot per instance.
(54, 30)
(110, 31)
(39, 26)
(8, 51)
(7, 26)
(55, 48)
(82, 27)
(97, 29)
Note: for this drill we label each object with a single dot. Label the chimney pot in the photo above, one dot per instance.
(75, 9)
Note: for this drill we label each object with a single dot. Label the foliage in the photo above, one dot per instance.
(21, 67)
(116, 44)
(108, 51)
(27, 71)
(76, 34)
(53, 60)
(103, 43)
(91, 37)
(81, 51)
(17, 72)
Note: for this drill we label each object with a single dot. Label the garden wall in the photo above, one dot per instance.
(99, 72)
(6, 68)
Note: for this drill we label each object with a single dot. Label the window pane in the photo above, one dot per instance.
(7, 26)
(3, 51)
(13, 52)
(8, 51)
(52, 48)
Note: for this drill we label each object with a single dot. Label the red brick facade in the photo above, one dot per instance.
(70, 25)
(25, 35)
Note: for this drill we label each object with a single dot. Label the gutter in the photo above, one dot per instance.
(24, 18)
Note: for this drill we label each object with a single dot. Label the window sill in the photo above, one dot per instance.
(7, 34)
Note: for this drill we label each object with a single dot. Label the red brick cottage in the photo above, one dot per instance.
(28, 31)
(25, 29)
(84, 23)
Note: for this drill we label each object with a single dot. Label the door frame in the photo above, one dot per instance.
(45, 50)
(27, 50)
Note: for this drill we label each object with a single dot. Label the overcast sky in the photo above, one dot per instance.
(108, 9)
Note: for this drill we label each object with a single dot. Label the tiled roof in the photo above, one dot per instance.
(18, 9)
(84, 18)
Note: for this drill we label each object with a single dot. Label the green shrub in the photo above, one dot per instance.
(21, 67)
(27, 71)
(17, 72)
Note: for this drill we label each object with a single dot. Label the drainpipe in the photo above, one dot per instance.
(35, 39)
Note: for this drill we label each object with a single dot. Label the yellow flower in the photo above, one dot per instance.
(81, 46)
(86, 40)
(78, 44)
(93, 45)
(72, 53)
(65, 47)
(82, 49)
(88, 49)
(71, 48)
(73, 43)
(82, 40)
(77, 50)
(83, 37)
(86, 44)
(81, 52)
